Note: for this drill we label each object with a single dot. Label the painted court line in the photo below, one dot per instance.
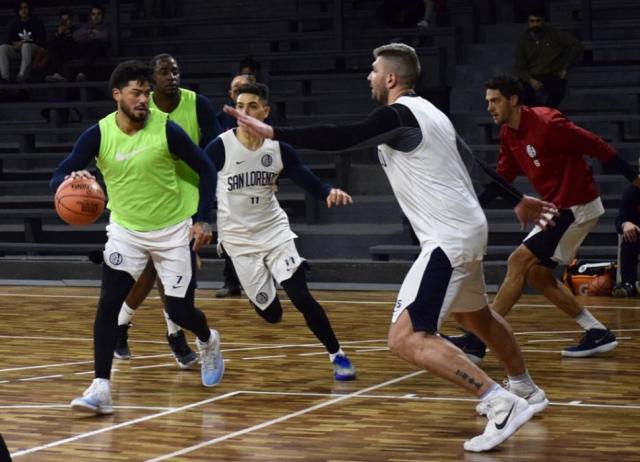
(355, 302)
(283, 418)
(265, 357)
(121, 425)
(66, 406)
(43, 377)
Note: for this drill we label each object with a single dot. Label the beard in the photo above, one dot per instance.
(380, 97)
(129, 113)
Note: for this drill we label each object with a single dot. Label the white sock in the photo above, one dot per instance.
(125, 315)
(332, 356)
(522, 381)
(492, 392)
(587, 321)
(172, 327)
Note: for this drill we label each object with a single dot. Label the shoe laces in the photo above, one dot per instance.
(342, 362)
(208, 356)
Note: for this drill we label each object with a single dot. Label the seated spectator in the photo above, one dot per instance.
(627, 225)
(26, 39)
(62, 47)
(92, 39)
(543, 57)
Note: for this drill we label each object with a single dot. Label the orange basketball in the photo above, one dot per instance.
(79, 201)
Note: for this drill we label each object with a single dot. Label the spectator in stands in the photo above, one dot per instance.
(62, 47)
(93, 42)
(628, 227)
(543, 56)
(26, 39)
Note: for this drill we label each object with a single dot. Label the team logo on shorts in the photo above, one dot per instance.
(262, 298)
(115, 259)
(267, 160)
(531, 151)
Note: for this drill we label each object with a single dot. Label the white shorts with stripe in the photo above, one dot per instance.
(433, 288)
(129, 251)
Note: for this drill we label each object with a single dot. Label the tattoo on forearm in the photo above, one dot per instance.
(469, 379)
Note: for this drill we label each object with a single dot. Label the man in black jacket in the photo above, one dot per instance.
(627, 223)
(26, 36)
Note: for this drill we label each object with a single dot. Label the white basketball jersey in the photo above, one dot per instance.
(434, 189)
(250, 218)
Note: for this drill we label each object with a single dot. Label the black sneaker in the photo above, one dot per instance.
(121, 350)
(470, 345)
(623, 290)
(228, 290)
(185, 356)
(593, 341)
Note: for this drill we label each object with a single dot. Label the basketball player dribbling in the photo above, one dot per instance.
(134, 149)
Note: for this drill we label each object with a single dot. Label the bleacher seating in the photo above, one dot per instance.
(315, 55)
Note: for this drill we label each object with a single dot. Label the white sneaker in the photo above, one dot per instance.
(212, 362)
(506, 413)
(536, 398)
(96, 399)
(55, 77)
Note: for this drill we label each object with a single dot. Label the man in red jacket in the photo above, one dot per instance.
(544, 145)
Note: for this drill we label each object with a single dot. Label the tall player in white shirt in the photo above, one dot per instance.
(254, 230)
(417, 149)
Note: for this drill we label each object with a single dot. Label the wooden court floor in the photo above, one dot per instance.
(278, 401)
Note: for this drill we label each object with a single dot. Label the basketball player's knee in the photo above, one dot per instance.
(397, 342)
(177, 310)
(520, 261)
(272, 314)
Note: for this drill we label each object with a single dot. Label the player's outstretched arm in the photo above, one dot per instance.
(338, 197)
(74, 165)
(254, 125)
(533, 210)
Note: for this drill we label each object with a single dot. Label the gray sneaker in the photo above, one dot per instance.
(212, 362)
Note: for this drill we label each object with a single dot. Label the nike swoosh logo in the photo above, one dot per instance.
(238, 162)
(175, 287)
(129, 155)
(501, 425)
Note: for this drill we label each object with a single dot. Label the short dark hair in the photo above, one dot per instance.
(404, 60)
(507, 84)
(97, 6)
(538, 12)
(127, 71)
(259, 89)
(66, 12)
(19, 4)
(157, 58)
